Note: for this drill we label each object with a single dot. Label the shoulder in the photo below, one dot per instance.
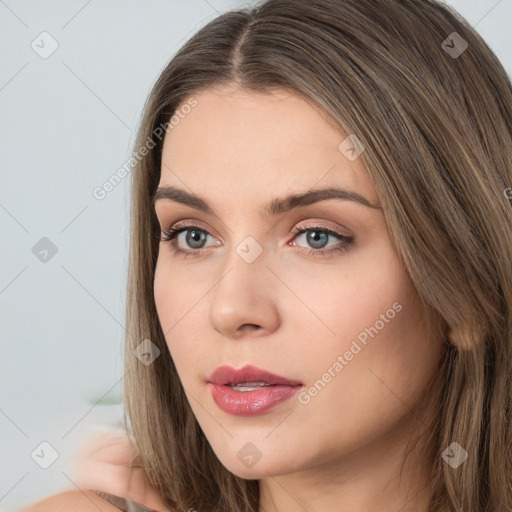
(71, 501)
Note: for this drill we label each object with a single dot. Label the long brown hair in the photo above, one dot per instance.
(433, 107)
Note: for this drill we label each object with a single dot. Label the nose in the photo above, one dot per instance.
(244, 301)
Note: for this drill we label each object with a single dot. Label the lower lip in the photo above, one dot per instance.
(250, 403)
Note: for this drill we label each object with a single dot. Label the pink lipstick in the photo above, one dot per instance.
(249, 390)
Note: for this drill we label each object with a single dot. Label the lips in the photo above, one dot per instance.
(250, 391)
(229, 376)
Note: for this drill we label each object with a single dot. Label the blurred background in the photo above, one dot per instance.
(74, 77)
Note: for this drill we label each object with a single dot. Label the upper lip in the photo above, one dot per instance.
(227, 375)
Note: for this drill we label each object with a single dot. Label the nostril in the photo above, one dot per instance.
(250, 327)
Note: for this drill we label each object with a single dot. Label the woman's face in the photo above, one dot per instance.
(346, 324)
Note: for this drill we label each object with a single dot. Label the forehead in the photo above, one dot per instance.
(266, 141)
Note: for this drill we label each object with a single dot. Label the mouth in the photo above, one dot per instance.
(249, 391)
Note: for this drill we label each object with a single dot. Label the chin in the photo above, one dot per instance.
(257, 471)
(251, 474)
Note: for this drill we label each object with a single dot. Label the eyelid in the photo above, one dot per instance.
(305, 225)
(190, 224)
(317, 223)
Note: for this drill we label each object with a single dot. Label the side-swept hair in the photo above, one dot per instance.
(437, 129)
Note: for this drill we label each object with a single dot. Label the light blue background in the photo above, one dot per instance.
(67, 124)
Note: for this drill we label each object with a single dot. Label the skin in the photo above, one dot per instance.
(103, 463)
(290, 312)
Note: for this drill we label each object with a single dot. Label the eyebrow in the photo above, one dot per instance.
(274, 207)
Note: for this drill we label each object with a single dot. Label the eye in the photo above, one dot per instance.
(317, 237)
(194, 237)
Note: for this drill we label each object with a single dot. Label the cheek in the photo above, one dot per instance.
(163, 296)
(365, 381)
(351, 296)
(179, 308)
(385, 317)
(382, 348)
(170, 306)
(376, 323)
(175, 294)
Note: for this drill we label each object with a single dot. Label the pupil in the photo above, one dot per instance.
(313, 240)
(192, 237)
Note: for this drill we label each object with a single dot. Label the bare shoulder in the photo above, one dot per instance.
(71, 501)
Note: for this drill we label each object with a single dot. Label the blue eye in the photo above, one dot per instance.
(318, 235)
(195, 235)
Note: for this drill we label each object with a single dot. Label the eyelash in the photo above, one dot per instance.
(172, 233)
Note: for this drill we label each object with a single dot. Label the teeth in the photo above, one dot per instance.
(244, 388)
(249, 386)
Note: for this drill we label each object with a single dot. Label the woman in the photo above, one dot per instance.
(319, 204)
